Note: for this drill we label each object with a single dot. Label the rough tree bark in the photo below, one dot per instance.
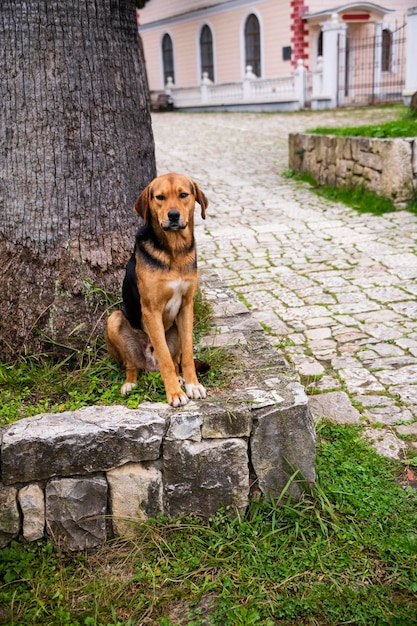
(76, 148)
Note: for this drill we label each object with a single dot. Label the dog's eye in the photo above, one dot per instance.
(160, 197)
(184, 194)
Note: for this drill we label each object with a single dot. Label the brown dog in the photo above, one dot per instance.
(154, 331)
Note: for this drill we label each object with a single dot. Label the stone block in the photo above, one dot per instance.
(201, 477)
(226, 420)
(282, 443)
(370, 160)
(76, 511)
(347, 149)
(135, 495)
(32, 504)
(80, 442)
(397, 175)
(9, 515)
(185, 424)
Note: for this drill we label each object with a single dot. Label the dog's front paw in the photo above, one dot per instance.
(126, 388)
(177, 399)
(195, 390)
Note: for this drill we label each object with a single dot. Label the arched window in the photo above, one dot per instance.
(168, 58)
(386, 50)
(253, 44)
(206, 52)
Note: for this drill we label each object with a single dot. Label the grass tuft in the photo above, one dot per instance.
(405, 127)
(358, 198)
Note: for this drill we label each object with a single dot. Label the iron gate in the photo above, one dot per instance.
(371, 69)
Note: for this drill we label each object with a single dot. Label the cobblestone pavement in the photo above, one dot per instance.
(335, 290)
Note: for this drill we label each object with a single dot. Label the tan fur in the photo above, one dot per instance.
(167, 281)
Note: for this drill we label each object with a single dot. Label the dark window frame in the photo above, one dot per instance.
(207, 52)
(168, 58)
(252, 34)
(386, 50)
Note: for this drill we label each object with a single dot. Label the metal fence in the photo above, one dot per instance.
(372, 68)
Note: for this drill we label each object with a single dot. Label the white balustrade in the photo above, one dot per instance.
(251, 90)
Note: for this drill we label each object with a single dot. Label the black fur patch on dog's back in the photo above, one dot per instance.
(132, 307)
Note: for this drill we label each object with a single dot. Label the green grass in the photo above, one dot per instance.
(345, 554)
(358, 198)
(38, 384)
(405, 127)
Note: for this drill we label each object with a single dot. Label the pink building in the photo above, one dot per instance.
(276, 54)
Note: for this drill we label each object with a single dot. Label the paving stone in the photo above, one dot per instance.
(346, 320)
(307, 366)
(360, 379)
(407, 429)
(408, 308)
(297, 338)
(400, 376)
(348, 336)
(388, 415)
(387, 349)
(383, 332)
(392, 363)
(408, 344)
(378, 316)
(354, 307)
(318, 333)
(372, 401)
(334, 406)
(319, 321)
(349, 348)
(407, 393)
(366, 355)
(326, 346)
(385, 442)
(328, 383)
(386, 294)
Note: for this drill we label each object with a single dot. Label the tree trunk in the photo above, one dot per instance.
(76, 148)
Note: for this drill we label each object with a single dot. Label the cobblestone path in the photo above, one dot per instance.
(335, 290)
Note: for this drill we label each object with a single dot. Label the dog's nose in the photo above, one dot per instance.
(173, 216)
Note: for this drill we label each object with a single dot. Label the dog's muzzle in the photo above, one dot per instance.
(173, 221)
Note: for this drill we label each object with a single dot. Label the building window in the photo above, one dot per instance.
(320, 44)
(168, 58)
(253, 44)
(206, 52)
(386, 50)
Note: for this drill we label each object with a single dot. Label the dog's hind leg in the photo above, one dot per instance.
(128, 347)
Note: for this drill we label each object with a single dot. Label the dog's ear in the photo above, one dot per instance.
(141, 206)
(201, 199)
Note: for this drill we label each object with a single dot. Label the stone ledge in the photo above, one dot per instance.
(67, 474)
(386, 166)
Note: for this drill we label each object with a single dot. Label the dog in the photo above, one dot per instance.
(154, 329)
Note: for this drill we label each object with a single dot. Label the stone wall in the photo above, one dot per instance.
(386, 166)
(87, 475)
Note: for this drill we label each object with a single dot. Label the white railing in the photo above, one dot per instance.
(225, 92)
(273, 88)
(289, 89)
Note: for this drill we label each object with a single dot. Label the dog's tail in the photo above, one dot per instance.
(201, 366)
